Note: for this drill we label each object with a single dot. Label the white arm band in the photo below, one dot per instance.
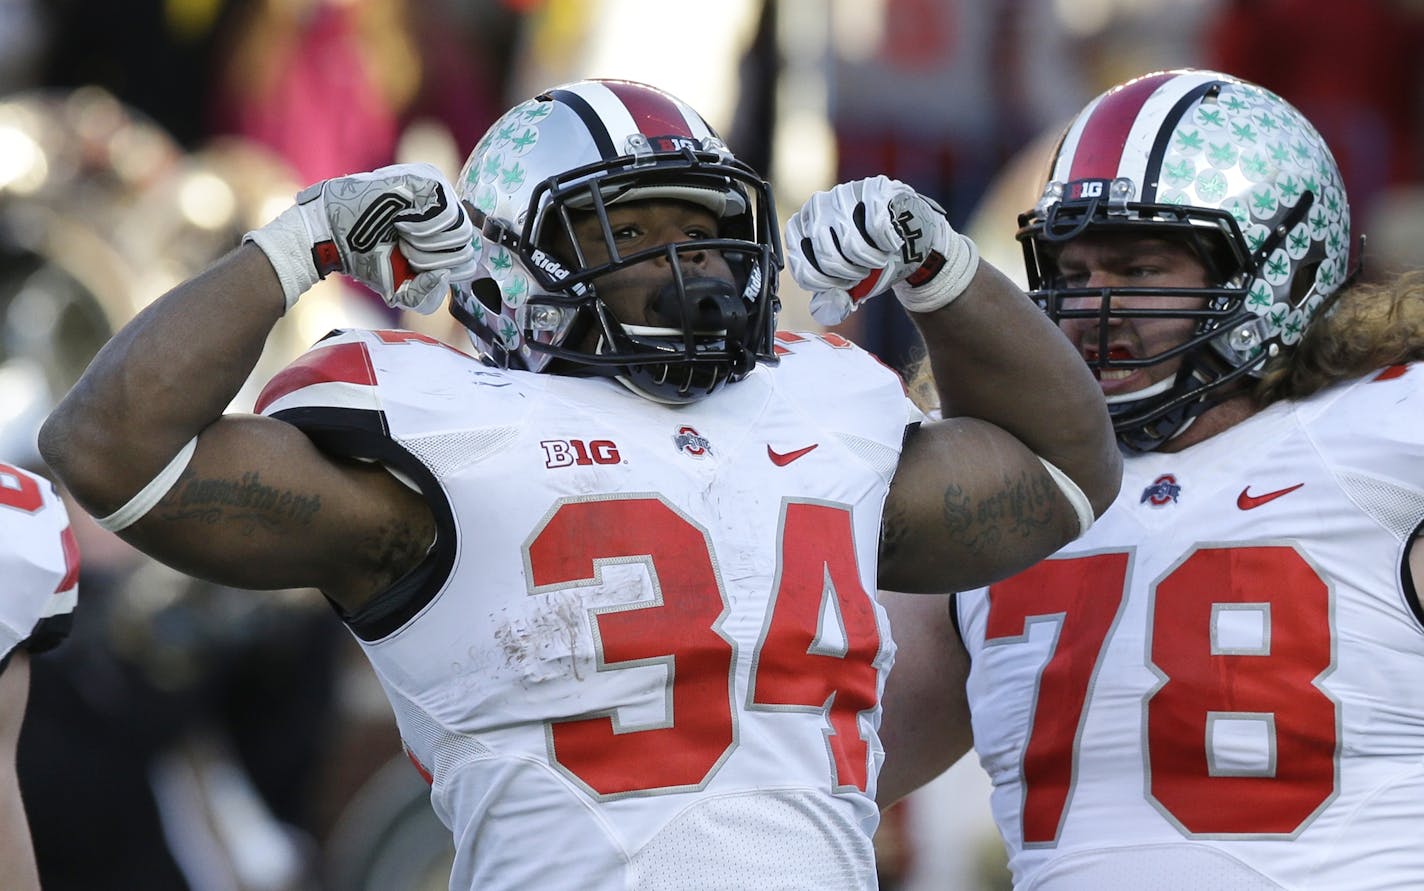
(150, 494)
(287, 241)
(1081, 505)
(961, 262)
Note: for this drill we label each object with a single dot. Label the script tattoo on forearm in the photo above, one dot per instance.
(247, 501)
(1020, 507)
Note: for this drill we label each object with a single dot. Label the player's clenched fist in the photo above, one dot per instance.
(398, 230)
(859, 238)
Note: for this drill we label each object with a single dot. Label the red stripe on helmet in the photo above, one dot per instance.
(1100, 145)
(345, 363)
(654, 113)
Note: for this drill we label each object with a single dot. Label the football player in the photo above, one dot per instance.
(616, 570)
(1213, 688)
(39, 565)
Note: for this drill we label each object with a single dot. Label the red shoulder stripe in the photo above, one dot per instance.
(345, 363)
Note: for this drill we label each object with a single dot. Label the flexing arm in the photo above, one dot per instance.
(972, 500)
(165, 379)
(17, 852)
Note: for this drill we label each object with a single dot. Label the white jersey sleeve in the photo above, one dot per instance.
(39, 563)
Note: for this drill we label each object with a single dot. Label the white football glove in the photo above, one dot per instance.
(859, 238)
(400, 230)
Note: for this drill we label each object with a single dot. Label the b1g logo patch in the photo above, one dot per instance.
(688, 440)
(1086, 188)
(673, 143)
(1163, 491)
(578, 452)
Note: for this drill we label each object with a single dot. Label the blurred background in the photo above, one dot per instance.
(195, 738)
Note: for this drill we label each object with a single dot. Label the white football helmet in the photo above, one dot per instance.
(577, 149)
(1234, 171)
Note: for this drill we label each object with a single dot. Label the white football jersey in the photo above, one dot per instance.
(39, 563)
(644, 652)
(1219, 685)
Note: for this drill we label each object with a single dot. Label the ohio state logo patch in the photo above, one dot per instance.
(1164, 490)
(688, 440)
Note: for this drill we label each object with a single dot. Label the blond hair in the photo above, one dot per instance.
(1364, 327)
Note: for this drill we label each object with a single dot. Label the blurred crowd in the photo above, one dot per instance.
(189, 737)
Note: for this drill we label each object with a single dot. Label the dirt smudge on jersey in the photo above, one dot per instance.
(551, 639)
(545, 643)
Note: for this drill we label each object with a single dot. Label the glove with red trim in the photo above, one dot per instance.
(400, 230)
(860, 238)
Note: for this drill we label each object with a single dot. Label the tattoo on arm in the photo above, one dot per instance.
(1018, 509)
(895, 528)
(246, 501)
(394, 549)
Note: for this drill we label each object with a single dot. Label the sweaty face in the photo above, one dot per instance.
(639, 226)
(1130, 261)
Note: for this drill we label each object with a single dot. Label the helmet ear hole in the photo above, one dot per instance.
(486, 291)
(1302, 282)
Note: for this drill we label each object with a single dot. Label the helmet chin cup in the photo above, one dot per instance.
(702, 342)
(1155, 389)
(703, 306)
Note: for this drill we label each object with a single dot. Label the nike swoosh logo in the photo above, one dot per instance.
(781, 459)
(1247, 501)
